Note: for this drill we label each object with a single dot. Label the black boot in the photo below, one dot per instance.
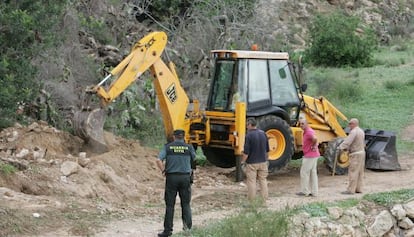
(164, 234)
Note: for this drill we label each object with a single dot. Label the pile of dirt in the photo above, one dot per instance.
(53, 162)
(50, 173)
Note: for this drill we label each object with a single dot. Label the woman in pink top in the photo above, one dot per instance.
(308, 169)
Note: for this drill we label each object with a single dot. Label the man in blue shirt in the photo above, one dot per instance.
(255, 155)
(179, 159)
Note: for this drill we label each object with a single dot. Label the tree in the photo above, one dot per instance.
(24, 32)
(339, 40)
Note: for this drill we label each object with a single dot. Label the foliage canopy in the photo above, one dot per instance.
(338, 40)
(24, 32)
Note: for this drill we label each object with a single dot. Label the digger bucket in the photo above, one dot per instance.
(88, 125)
(381, 150)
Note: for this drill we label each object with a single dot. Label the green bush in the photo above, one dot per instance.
(7, 169)
(393, 85)
(201, 159)
(338, 40)
(252, 222)
(410, 82)
(96, 27)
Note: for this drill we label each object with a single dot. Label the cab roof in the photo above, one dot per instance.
(234, 54)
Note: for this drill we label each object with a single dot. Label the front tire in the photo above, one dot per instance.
(281, 143)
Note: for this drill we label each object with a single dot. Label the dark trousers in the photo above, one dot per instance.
(177, 183)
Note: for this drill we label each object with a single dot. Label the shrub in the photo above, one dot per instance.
(338, 40)
(201, 159)
(348, 90)
(410, 82)
(393, 85)
(7, 169)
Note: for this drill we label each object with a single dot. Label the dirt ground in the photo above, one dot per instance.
(125, 184)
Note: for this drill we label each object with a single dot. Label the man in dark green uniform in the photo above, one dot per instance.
(179, 159)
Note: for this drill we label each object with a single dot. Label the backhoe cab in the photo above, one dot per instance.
(265, 83)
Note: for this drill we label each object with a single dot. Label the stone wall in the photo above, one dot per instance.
(359, 221)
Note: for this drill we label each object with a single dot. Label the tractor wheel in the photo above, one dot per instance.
(332, 151)
(220, 157)
(280, 138)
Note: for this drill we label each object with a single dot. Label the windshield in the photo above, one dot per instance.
(221, 96)
(268, 82)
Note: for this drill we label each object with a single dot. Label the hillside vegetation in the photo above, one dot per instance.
(380, 96)
(84, 39)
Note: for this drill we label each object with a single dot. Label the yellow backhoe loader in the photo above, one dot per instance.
(263, 85)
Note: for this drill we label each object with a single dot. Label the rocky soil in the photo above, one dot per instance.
(58, 189)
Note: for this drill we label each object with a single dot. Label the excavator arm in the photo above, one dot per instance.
(145, 55)
(323, 118)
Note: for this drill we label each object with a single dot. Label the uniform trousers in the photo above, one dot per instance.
(177, 183)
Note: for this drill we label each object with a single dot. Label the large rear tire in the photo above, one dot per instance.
(342, 161)
(220, 157)
(281, 143)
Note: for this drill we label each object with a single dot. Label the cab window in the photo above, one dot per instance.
(258, 82)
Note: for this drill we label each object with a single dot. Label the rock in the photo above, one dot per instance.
(382, 224)
(63, 179)
(34, 127)
(43, 123)
(38, 153)
(409, 208)
(314, 224)
(353, 217)
(18, 125)
(350, 5)
(49, 129)
(84, 161)
(335, 229)
(398, 212)
(390, 234)
(298, 221)
(406, 223)
(22, 153)
(335, 212)
(69, 167)
(13, 137)
(409, 233)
